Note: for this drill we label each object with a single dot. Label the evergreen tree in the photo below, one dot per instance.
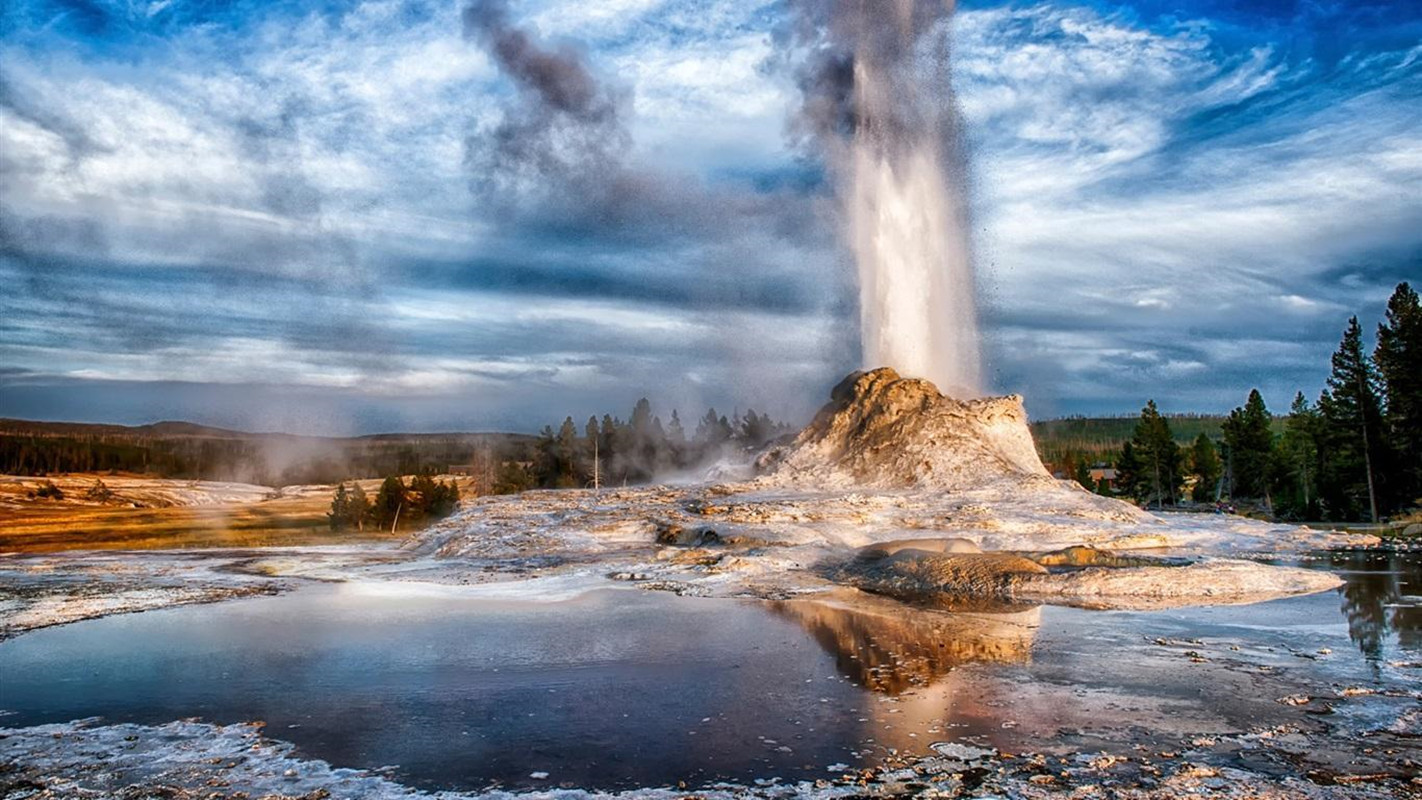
(706, 428)
(1128, 468)
(442, 500)
(1082, 474)
(756, 430)
(1249, 441)
(1399, 362)
(1352, 430)
(608, 443)
(389, 503)
(512, 478)
(358, 507)
(1297, 478)
(1156, 473)
(566, 472)
(642, 419)
(676, 434)
(1206, 468)
(339, 517)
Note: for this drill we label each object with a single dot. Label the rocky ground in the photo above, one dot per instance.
(749, 539)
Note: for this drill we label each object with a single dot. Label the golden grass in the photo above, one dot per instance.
(39, 525)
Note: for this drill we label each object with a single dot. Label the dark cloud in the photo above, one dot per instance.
(686, 289)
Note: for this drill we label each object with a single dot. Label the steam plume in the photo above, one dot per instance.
(567, 124)
(878, 104)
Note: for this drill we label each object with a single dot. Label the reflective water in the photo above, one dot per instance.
(622, 687)
(1382, 600)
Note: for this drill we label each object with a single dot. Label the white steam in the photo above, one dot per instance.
(879, 103)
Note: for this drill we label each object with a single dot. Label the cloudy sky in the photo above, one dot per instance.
(336, 217)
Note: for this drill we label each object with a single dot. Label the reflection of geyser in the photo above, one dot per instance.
(907, 654)
(891, 648)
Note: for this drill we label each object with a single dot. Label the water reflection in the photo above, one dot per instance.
(1380, 599)
(890, 648)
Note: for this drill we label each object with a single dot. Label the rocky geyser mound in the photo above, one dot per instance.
(886, 431)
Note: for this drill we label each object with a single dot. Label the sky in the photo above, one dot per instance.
(348, 217)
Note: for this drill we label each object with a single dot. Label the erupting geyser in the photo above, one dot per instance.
(879, 102)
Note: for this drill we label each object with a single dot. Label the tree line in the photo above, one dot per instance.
(613, 452)
(423, 500)
(266, 461)
(1354, 453)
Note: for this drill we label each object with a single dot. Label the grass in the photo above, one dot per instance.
(51, 526)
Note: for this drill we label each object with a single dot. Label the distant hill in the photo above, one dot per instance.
(186, 450)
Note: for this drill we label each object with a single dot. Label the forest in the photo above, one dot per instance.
(192, 452)
(1354, 453)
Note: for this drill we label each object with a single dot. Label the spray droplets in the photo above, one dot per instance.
(878, 105)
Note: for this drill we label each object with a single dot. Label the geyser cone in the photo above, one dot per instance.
(880, 429)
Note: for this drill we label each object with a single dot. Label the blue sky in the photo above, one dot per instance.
(302, 216)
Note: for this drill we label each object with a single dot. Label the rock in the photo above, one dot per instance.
(957, 579)
(1083, 556)
(917, 574)
(672, 533)
(880, 429)
(948, 545)
(1415, 529)
(1215, 581)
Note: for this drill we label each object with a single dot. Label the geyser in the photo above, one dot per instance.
(878, 101)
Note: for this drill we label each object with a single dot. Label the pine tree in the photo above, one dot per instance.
(340, 514)
(1205, 467)
(1082, 474)
(1352, 430)
(390, 503)
(642, 419)
(1299, 459)
(565, 455)
(1156, 472)
(676, 434)
(706, 428)
(358, 507)
(756, 430)
(676, 439)
(1249, 441)
(1128, 468)
(1399, 362)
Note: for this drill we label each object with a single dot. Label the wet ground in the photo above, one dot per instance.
(621, 688)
